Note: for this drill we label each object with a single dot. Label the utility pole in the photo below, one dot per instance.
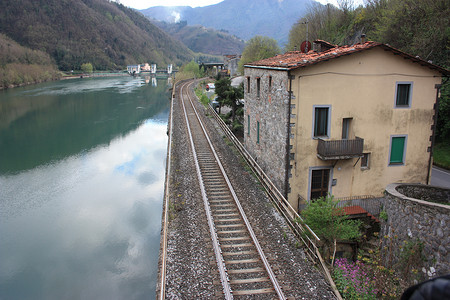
(306, 22)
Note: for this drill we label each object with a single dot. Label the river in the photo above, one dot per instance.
(82, 167)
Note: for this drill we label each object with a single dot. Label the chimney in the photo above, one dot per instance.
(316, 47)
(363, 38)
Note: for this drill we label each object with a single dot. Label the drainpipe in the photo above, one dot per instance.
(288, 130)
(433, 128)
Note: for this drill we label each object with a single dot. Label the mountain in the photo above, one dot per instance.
(245, 19)
(104, 33)
(201, 39)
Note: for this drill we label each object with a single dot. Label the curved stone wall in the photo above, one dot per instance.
(409, 219)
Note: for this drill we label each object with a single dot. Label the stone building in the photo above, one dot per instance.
(343, 120)
(231, 63)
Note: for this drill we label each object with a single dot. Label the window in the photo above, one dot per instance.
(398, 150)
(270, 84)
(248, 84)
(346, 125)
(403, 91)
(257, 132)
(320, 180)
(248, 124)
(321, 121)
(258, 87)
(365, 161)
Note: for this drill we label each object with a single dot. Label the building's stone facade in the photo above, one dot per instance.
(231, 63)
(410, 219)
(270, 110)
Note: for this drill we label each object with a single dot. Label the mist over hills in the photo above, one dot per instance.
(244, 19)
(104, 33)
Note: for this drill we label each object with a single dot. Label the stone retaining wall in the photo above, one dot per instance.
(411, 219)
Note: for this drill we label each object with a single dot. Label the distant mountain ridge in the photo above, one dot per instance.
(102, 32)
(201, 39)
(245, 19)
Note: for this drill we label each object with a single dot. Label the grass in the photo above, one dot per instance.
(202, 97)
(441, 155)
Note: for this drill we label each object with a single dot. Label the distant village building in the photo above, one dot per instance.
(145, 67)
(343, 120)
(231, 63)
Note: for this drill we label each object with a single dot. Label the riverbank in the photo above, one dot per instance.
(190, 270)
(16, 75)
(21, 80)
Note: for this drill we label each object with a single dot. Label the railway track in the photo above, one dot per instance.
(243, 268)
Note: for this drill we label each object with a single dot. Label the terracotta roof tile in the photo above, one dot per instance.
(297, 59)
(354, 210)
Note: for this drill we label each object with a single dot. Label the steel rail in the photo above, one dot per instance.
(241, 211)
(217, 250)
(285, 208)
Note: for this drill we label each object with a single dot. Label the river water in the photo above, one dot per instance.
(82, 166)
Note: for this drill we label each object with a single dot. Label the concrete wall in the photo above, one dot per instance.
(270, 109)
(411, 219)
(362, 86)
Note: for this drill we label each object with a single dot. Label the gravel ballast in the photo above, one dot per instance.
(191, 270)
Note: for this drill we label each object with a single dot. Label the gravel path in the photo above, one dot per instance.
(190, 268)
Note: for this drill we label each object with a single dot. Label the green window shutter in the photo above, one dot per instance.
(397, 150)
(257, 132)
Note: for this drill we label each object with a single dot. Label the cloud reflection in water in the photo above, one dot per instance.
(89, 227)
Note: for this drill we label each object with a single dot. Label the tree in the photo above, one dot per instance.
(192, 68)
(229, 95)
(418, 27)
(87, 68)
(330, 222)
(443, 124)
(259, 47)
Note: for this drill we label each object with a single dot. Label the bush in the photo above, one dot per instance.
(330, 223)
(352, 281)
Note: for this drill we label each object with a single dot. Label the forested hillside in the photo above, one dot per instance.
(201, 39)
(104, 33)
(20, 65)
(418, 27)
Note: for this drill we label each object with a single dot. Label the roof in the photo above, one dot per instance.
(297, 59)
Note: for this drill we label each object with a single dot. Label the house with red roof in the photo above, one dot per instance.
(341, 120)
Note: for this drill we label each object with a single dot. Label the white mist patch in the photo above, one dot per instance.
(176, 16)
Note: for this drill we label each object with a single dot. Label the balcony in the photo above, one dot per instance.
(340, 149)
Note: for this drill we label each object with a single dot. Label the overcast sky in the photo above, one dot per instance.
(141, 4)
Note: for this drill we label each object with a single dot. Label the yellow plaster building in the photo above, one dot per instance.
(345, 121)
